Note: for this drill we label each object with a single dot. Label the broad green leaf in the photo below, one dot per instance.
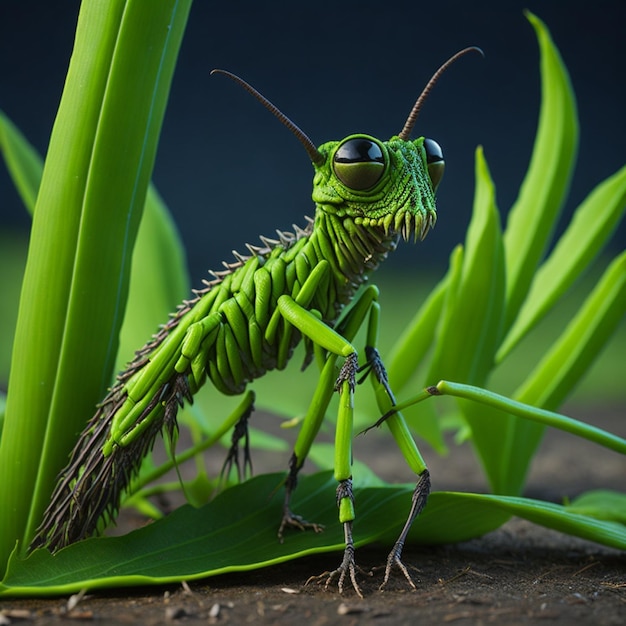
(48, 279)
(158, 278)
(225, 537)
(593, 223)
(532, 219)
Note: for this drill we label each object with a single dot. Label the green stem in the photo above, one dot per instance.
(525, 411)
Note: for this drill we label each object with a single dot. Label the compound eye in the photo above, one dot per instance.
(434, 161)
(359, 163)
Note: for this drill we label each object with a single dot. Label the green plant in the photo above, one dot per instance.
(86, 218)
(439, 344)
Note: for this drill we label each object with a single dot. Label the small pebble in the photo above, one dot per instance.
(174, 612)
(349, 609)
(17, 614)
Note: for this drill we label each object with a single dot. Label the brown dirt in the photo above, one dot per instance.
(519, 574)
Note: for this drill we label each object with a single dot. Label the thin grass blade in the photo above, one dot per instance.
(581, 341)
(532, 218)
(591, 227)
(22, 161)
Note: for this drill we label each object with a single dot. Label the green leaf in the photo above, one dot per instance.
(592, 225)
(413, 344)
(422, 417)
(601, 504)
(532, 219)
(471, 326)
(158, 277)
(225, 537)
(467, 506)
(568, 359)
(22, 160)
(88, 208)
(408, 353)
(561, 368)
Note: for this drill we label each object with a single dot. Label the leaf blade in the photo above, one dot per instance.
(221, 537)
(592, 225)
(532, 218)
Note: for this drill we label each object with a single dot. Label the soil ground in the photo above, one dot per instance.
(519, 574)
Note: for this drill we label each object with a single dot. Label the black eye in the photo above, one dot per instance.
(435, 162)
(359, 163)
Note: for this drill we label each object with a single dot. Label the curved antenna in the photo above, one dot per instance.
(405, 133)
(314, 154)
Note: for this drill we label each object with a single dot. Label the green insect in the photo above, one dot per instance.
(309, 285)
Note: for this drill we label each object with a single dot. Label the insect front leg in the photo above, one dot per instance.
(343, 473)
(337, 345)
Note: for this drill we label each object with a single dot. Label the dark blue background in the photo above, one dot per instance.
(229, 172)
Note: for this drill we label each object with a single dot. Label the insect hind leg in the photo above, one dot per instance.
(240, 433)
(308, 432)
(404, 439)
(289, 518)
(418, 502)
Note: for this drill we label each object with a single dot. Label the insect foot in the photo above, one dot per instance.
(418, 502)
(291, 520)
(348, 567)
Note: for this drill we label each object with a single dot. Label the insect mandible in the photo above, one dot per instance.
(312, 285)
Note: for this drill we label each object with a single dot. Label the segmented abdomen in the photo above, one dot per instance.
(231, 332)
